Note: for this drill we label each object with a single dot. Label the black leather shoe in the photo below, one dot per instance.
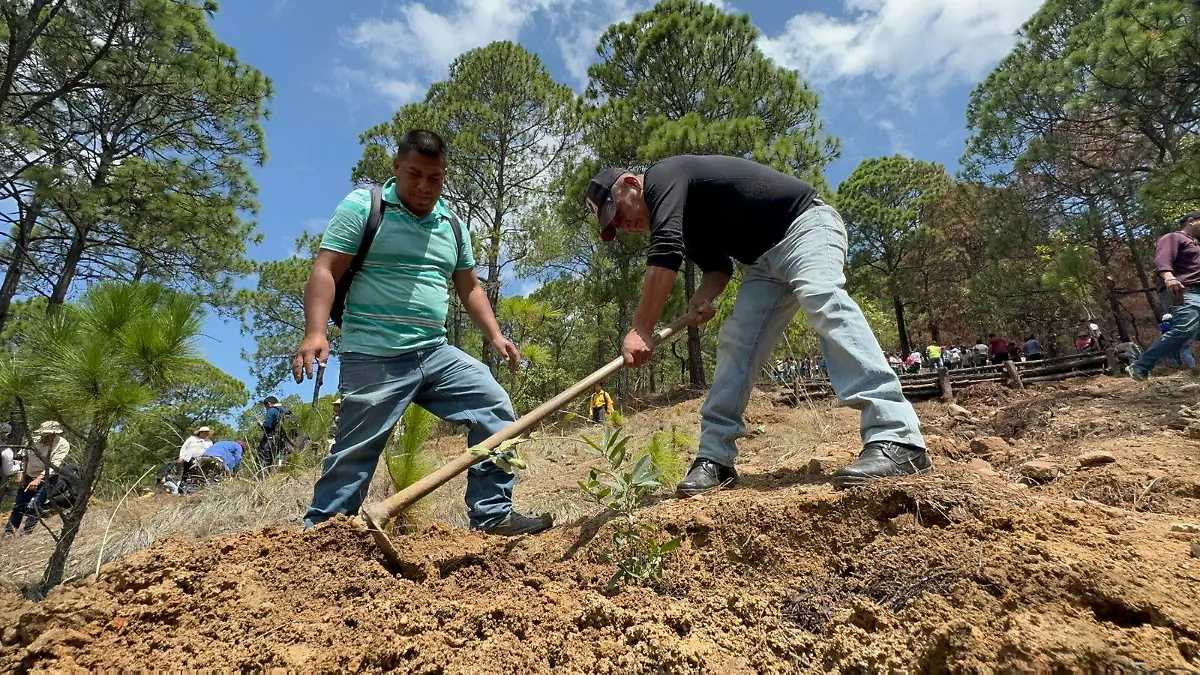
(706, 476)
(883, 459)
(515, 524)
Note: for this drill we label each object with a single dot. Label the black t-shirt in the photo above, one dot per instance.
(712, 208)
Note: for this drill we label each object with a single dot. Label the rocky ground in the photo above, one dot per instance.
(1060, 532)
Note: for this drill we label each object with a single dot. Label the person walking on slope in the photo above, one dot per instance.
(600, 406)
(1177, 266)
(394, 349)
(713, 210)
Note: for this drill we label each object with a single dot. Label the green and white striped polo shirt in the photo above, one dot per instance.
(398, 302)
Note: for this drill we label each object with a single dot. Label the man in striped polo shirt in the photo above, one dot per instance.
(394, 349)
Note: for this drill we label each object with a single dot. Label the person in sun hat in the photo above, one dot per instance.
(195, 445)
(713, 210)
(42, 462)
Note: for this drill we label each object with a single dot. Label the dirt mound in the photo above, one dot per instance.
(928, 574)
(1084, 565)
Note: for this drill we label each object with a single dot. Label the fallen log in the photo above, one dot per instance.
(1066, 376)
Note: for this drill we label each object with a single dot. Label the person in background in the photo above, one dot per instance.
(1084, 343)
(913, 362)
(981, 351)
(42, 461)
(895, 363)
(1033, 349)
(934, 354)
(997, 348)
(1099, 342)
(268, 445)
(1014, 354)
(600, 406)
(228, 453)
(1177, 269)
(954, 358)
(8, 464)
(195, 445)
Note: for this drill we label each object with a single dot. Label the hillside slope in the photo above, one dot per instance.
(1058, 539)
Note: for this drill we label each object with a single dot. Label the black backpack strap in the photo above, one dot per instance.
(369, 230)
(458, 242)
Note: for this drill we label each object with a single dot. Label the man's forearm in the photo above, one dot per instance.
(318, 301)
(712, 284)
(656, 288)
(476, 303)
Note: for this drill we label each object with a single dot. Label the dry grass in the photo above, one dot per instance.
(225, 508)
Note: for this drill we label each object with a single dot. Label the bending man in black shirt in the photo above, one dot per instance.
(714, 210)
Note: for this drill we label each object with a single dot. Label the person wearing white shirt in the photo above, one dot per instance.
(195, 445)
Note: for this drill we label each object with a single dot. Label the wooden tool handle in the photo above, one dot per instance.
(380, 513)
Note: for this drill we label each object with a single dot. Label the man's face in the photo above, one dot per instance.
(1192, 227)
(46, 438)
(632, 213)
(419, 181)
(204, 434)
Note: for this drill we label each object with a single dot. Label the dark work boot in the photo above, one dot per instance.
(706, 476)
(883, 459)
(515, 524)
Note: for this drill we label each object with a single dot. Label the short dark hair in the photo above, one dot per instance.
(424, 142)
(270, 400)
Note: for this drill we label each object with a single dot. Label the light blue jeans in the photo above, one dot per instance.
(1186, 316)
(804, 271)
(376, 390)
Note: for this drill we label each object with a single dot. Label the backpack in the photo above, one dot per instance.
(63, 487)
(369, 230)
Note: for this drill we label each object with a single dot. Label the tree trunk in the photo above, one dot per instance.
(1114, 303)
(20, 253)
(898, 304)
(70, 265)
(696, 375)
(93, 452)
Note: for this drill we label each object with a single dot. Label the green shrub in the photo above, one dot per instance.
(668, 452)
(406, 458)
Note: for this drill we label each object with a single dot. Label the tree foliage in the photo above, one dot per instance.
(94, 366)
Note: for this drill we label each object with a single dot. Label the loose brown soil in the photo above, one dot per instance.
(974, 568)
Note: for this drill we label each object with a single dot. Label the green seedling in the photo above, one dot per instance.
(620, 487)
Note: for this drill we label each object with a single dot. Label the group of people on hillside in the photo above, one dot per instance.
(789, 369)
(201, 460)
(400, 250)
(38, 473)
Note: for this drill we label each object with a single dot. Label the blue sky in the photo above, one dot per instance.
(893, 76)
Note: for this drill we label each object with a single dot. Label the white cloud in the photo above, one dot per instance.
(405, 54)
(932, 41)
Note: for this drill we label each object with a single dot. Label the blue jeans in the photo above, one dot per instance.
(376, 390)
(1187, 321)
(29, 505)
(804, 271)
